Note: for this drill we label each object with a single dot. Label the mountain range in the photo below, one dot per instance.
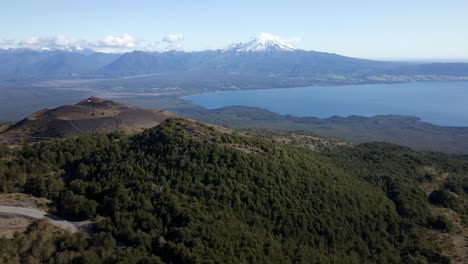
(264, 57)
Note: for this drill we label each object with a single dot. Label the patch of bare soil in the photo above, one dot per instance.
(437, 181)
(24, 200)
(93, 115)
(4, 127)
(244, 148)
(10, 224)
(455, 243)
(208, 133)
(311, 142)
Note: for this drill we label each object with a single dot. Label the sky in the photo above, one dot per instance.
(378, 29)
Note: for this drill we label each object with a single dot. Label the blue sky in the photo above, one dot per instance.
(395, 29)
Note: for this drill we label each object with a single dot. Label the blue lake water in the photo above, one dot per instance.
(441, 103)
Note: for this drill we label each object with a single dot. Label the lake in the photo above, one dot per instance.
(441, 103)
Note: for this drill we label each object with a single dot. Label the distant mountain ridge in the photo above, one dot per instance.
(264, 57)
(297, 63)
(26, 63)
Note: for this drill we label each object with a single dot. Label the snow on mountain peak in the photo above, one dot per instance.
(264, 42)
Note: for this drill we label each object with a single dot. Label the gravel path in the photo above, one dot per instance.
(37, 214)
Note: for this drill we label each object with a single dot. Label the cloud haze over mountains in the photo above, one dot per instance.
(110, 43)
(121, 43)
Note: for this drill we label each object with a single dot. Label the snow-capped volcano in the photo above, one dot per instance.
(264, 42)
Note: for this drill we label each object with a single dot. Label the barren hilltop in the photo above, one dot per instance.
(91, 115)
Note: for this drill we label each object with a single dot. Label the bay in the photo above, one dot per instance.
(440, 103)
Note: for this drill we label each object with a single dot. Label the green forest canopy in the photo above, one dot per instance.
(184, 192)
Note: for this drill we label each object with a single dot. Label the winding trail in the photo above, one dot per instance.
(37, 214)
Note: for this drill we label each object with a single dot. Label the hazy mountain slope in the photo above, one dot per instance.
(297, 63)
(24, 63)
(16, 63)
(266, 56)
(447, 69)
(265, 59)
(139, 62)
(73, 64)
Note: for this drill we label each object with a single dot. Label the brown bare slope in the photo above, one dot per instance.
(92, 115)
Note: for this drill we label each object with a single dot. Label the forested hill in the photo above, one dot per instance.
(185, 192)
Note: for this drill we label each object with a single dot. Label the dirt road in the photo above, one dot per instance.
(37, 214)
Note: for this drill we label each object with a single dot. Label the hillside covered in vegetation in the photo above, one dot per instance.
(185, 192)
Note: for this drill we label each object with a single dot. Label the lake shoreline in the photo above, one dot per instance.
(411, 99)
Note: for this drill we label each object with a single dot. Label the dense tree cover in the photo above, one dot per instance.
(399, 171)
(4, 150)
(184, 192)
(44, 243)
